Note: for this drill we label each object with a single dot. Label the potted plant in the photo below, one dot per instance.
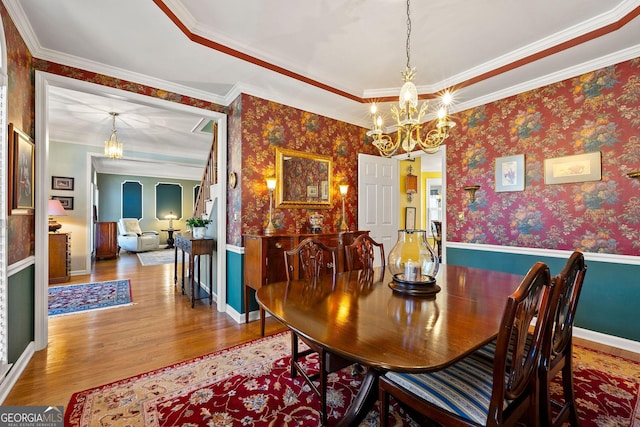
(198, 226)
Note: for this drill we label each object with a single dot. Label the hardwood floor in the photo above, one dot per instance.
(89, 349)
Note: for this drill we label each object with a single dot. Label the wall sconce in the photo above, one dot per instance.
(635, 174)
(271, 186)
(170, 217)
(343, 221)
(471, 189)
(54, 208)
(411, 184)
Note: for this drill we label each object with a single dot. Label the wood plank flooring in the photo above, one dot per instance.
(89, 349)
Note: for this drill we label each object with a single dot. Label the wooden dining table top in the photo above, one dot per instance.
(364, 320)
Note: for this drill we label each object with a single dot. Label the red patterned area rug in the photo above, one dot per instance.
(250, 385)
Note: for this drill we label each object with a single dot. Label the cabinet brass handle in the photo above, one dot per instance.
(278, 245)
(329, 265)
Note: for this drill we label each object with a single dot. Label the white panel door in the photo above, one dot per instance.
(378, 202)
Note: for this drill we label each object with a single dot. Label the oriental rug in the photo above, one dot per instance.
(250, 385)
(85, 297)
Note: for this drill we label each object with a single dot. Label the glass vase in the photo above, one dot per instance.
(412, 261)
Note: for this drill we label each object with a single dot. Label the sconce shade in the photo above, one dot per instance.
(54, 208)
(343, 189)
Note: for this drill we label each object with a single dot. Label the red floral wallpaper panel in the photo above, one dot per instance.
(20, 112)
(266, 125)
(597, 111)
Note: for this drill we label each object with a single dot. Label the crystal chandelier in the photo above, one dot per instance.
(408, 118)
(113, 148)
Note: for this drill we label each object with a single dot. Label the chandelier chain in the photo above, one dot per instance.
(408, 36)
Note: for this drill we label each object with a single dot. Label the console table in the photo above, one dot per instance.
(264, 259)
(195, 248)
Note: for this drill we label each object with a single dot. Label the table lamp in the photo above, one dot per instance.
(271, 186)
(343, 221)
(170, 217)
(54, 208)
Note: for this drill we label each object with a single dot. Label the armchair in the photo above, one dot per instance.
(132, 239)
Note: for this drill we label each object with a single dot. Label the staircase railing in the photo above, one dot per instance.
(209, 176)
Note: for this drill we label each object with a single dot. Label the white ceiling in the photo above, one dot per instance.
(327, 57)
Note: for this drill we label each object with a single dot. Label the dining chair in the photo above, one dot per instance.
(314, 258)
(475, 390)
(363, 249)
(558, 342)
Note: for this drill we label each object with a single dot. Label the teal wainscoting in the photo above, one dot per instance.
(235, 282)
(610, 293)
(20, 310)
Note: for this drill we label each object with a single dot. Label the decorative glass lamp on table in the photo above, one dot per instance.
(413, 264)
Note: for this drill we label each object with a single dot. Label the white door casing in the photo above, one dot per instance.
(378, 183)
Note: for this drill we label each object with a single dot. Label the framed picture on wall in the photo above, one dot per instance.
(577, 168)
(62, 183)
(66, 202)
(510, 173)
(21, 172)
(410, 218)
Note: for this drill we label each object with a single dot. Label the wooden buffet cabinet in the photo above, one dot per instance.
(264, 259)
(59, 258)
(106, 240)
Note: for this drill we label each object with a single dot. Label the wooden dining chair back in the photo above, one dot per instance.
(558, 342)
(479, 391)
(314, 259)
(363, 252)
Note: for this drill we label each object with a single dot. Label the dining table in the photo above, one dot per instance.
(357, 316)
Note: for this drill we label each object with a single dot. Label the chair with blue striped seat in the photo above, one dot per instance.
(558, 343)
(481, 391)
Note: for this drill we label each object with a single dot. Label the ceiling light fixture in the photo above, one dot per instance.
(112, 147)
(409, 126)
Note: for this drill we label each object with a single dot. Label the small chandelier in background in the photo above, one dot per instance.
(408, 118)
(112, 147)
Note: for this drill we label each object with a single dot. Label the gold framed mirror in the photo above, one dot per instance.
(303, 180)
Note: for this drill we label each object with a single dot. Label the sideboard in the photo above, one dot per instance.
(264, 259)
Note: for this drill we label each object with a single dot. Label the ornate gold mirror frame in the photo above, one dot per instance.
(303, 180)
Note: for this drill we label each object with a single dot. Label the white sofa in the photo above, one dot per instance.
(132, 239)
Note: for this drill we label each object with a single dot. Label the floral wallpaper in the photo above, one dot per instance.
(20, 112)
(266, 125)
(597, 111)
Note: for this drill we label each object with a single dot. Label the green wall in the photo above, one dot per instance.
(235, 281)
(21, 313)
(609, 294)
(110, 190)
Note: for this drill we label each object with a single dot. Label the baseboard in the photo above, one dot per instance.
(15, 372)
(610, 340)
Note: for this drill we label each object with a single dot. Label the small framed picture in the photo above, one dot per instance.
(577, 168)
(21, 172)
(61, 183)
(66, 202)
(410, 218)
(312, 191)
(510, 173)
